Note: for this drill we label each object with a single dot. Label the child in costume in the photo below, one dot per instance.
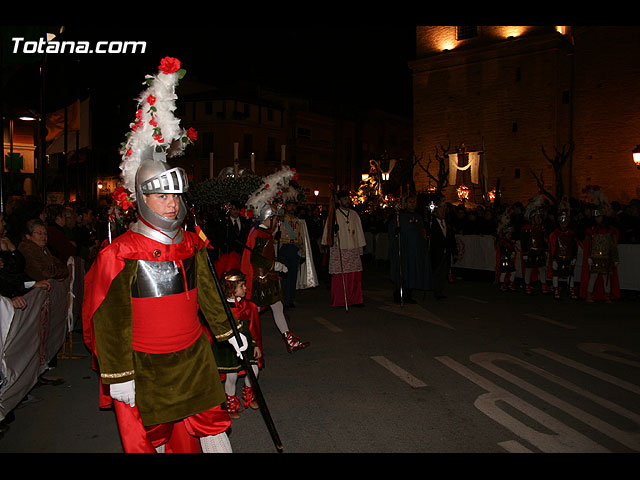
(248, 323)
(534, 247)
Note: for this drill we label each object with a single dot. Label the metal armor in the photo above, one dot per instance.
(534, 247)
(564, 254)
(159, 279)
(602, 252)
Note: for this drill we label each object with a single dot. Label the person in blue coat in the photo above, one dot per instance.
(408, 252)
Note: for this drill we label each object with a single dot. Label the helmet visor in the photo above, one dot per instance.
(173, 180)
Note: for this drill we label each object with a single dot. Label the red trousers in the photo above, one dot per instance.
(182, 436)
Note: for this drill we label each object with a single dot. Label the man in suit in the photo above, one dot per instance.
(442, 247)
(234, 230)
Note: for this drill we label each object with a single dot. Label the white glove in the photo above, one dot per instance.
(124, 392)
(280, 267)
(234, 342)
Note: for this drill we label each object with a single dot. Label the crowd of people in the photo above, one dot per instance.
(484, 220)
(527, 236)
(171, 323)
(37, 243)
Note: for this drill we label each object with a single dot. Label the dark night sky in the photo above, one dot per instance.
(361, 64)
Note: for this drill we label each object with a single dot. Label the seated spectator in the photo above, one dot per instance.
(40, 264)
(14, 283)
(58, 241)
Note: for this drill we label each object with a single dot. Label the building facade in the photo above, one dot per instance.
(328, 144)
(518, 95)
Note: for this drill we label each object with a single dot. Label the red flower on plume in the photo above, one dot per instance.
(151, 99)
(158, 138)
(296, 176)
(153, 122)
(192, 134)
(249, 213)
(121, 197)
(169, 65)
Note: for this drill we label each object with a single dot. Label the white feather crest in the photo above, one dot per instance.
(272, 186)
(155, 126)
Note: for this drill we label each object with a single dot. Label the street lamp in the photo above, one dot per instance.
(316, 192)
(636, 156)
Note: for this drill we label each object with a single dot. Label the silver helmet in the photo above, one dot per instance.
(268, 210)
(154, 175)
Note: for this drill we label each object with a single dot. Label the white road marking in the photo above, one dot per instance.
(631, 440)
(418, 312)
(599, 349)
(330, 326)
(548, 320)
(561, 439)
(591, 371)
(512, 446)
(399, 372)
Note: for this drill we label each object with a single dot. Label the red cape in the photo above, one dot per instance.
(109, 263)
(247, 310)
(553, 244)
(598, 289)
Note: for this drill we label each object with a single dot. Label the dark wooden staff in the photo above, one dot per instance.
(245, 362)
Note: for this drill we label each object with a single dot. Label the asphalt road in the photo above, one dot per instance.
(481, 371)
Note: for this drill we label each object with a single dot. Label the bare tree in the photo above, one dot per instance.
(557, 164)
(441, 178)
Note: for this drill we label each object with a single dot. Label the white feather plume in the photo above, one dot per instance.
(271, 188)
(154, 114)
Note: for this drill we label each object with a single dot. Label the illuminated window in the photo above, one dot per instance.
(463, 33)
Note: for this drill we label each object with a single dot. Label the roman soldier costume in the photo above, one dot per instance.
(259, 262)
(144, 294)
(599, 279)
(563, 251)
(505, 254)
(534, 246)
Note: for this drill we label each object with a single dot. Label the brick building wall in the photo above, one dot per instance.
(607, 109)
(508, 91)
